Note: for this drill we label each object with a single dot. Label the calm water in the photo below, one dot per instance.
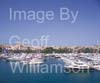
(6, 75)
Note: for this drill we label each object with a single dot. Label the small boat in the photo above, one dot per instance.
(36, 61)
(13, 59)
(96, 67)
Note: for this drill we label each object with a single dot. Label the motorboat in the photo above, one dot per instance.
(36, 59)
(78, 66)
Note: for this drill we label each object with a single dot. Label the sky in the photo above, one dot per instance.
(85, 30)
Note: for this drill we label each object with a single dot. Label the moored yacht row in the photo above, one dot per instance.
(72, 60)
(82, 61)
(23, 58)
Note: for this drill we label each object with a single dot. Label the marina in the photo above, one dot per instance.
(71, 61)
(9, 77)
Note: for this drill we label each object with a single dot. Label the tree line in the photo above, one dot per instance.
(59, 50)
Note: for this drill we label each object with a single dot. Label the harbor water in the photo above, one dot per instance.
(7, 76)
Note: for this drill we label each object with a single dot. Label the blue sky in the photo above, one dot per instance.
(85, 31)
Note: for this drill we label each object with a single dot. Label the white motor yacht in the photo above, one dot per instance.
(78, 66)
(36, 59)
